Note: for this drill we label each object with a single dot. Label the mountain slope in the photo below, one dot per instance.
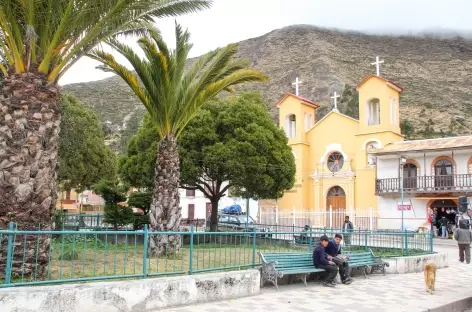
(436, 74)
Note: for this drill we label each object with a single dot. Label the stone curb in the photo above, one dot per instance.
(455, 306)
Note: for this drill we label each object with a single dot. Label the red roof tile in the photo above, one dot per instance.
(304, 101)
(389, 82)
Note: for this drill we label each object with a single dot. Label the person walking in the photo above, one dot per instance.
(348, 228)
(320, 261)
(463, 236)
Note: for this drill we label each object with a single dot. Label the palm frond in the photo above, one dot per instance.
(51, 35)
(175, 93)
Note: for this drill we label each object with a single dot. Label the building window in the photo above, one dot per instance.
(191, 212)
(311, 120)
(443, 171)
(290, 126)
(373, 112)
(335, 162)
(443, 167)
(190, 193)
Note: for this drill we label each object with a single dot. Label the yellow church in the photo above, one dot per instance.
(334, 171)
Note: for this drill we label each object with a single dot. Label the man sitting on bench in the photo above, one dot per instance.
(333, 249)
(320, 261)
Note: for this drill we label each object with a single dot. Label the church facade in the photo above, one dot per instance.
(334, 168)
(344, 165)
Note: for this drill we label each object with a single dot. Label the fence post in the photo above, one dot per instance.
(294, 218)
(371, 217)
(406, 243)
(11, 228)
(310, 240)
(254, 248)
(145, 250)
(365, 240)
(431, 235)
(330, 216)
(190, 259)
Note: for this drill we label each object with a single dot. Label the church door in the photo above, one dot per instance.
(336, 199)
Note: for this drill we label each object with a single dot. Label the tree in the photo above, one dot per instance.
(137, 166)
(232, 140)
(141, 200)
(173, 94)
(349, 102)
(83, 156)
(407, 128)
(113, 193)
(234, 143)
(40, 40)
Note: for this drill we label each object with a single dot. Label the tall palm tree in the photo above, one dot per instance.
(39, 41)
(173, 94)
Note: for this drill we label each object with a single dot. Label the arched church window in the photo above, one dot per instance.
(371, 159)
(335, 162)
(290, 126)
(373, 112)
(336, 191)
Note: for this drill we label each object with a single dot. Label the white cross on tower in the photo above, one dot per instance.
(335, 97)
(296, 84)
(377, 64)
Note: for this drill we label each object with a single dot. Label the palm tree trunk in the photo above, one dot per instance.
(165, 214)
(29, 135)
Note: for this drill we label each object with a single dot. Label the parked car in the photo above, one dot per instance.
(238, 223)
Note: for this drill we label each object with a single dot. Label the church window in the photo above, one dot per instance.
(373, 112)
(371, 159)
(335, 162)
(336, 191)
(307, 122)
(290, 125)
(311, 120)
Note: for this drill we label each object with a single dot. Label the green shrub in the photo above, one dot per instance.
(69, 255)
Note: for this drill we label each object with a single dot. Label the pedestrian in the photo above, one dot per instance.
(334, 251)
(443, 223)
(463, 236)
(348, 228)
(320, 261)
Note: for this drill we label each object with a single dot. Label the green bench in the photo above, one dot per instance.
(364, 260)
(276, 265)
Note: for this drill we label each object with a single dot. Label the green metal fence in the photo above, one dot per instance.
(46, 257)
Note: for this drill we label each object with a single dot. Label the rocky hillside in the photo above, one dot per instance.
(436, 75)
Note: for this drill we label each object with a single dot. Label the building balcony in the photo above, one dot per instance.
(454, 183)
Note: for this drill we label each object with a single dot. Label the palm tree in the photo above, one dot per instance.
(173, 93)
(39, 41)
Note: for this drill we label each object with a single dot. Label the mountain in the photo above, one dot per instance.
(435, 73)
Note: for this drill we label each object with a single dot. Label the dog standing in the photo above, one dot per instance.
(430, 276)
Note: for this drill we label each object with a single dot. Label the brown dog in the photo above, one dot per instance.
(430, 276)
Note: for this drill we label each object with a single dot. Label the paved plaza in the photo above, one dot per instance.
(401, 292)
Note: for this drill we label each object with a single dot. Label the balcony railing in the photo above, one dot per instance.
(426, 184)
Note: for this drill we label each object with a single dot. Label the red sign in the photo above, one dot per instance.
(406, 206)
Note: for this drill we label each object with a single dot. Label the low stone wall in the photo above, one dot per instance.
(133, 295)
(415, 264)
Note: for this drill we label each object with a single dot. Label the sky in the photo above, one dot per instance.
(230, 21)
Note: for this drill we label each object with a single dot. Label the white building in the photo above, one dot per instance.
(196, 206)
(434, 172)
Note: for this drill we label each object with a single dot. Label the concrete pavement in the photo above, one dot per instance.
(402, 292)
